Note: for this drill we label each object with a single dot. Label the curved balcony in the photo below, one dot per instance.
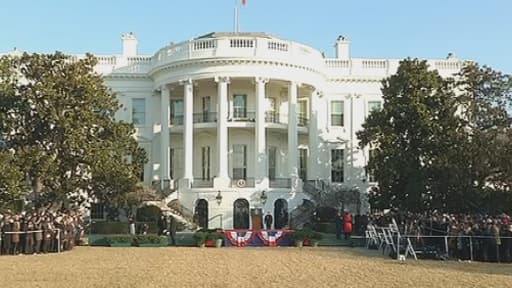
(205, 117)
(242, 116)
(240, 45)
(276, 118)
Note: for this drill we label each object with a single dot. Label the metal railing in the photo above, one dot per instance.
(242, 116)
(202, 183)
(272, 117)
(463, 247)
(302, 121)
(177, 120)
(205, 117)
(280, 183)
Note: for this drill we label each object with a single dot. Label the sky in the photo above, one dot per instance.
(430, 29)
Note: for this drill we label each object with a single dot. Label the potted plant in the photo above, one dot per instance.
(315, 238)
(150, 240)
(299, 236)
(119, 240)
(200, 238)
(217, 237)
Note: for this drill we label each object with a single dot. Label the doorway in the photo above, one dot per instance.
(280, 214)
(202, 213)
(241, 214)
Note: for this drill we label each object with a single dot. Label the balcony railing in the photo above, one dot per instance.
(280, 183)
(302, 121)
(242, 116)
(242, 183)
(177, 120)
(202, 183)
(272, 117)
(205, 117)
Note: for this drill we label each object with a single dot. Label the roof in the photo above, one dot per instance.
(236, 34)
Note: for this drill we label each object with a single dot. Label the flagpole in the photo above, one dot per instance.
(236, 17)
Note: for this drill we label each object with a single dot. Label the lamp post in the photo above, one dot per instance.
(218, 198)
(263, 197)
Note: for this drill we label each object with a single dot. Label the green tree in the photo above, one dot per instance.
(485, 100)
(56, 116)
(410, 137)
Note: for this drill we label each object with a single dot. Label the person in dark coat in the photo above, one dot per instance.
(339, 225)
(6, 237)
(268, 221)
(172, 224)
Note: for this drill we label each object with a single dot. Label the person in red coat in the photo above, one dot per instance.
(347, 218)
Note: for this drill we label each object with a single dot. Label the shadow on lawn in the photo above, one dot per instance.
(484, 268)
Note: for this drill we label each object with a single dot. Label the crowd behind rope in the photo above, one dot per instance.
(478, 237)
(34, 232)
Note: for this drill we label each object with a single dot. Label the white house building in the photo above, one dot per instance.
(236, 125)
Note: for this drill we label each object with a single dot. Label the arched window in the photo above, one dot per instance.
(201, 213)
(280, 214)
(241, 214)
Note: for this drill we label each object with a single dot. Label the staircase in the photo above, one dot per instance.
(302, 215)
(180, 213)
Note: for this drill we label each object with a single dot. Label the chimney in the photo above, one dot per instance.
(129, 44)
(342, 48)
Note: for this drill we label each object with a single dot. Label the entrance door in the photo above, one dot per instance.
(257, 219)
(241, 214)
(280, 214)
(202, 213)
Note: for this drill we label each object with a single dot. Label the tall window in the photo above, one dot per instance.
(272, 160)
(177, 112)
(337, 113)
(337, 165)
(374, 106)
(272, 115)
(239, 161)
(206, 108)
(303, 164)
(370, 172)
(175, 162)
(171, 163)
(302, 113)
(240, 106)
(205, 163)
(139, 111)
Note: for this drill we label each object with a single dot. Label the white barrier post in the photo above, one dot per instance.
(446, 245)
(471, 247)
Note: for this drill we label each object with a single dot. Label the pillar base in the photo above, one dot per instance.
(221, 182)
(296, 185)
(184, 184)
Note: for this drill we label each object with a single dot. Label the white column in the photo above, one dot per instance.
(260, 156)
(164, 136)
(222, 179)
(188, 133)
(314, 169)
(292, 135)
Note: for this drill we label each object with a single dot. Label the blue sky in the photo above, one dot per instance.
(472, 29)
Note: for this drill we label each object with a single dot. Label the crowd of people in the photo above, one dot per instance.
(34, 232)
(478, 237)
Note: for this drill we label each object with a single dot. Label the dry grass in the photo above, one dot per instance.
(241, 267)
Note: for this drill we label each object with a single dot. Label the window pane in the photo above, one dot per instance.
(239, 161)
(138, 111)
(337, 158)
(272, 153)
(240, 106)
(337, 113)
